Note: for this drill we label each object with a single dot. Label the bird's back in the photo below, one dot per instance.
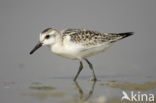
(89, 38)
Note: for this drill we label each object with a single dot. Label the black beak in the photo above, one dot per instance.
(36, 47)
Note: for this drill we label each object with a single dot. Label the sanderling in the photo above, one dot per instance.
(78, 44)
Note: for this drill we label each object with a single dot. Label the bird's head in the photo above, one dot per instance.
(48, 36)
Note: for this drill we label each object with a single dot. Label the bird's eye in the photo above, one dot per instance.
(47, 36)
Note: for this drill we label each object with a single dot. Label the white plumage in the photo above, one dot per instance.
(78, 43)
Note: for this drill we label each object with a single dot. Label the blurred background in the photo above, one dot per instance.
(21, 21)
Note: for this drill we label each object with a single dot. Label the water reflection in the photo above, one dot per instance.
(82, 97)
(82, 91)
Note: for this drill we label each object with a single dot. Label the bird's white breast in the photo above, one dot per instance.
(66, 49)
(73, 50)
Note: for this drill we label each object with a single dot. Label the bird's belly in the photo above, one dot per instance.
(67, 55)
(77, 52)
(93, 51)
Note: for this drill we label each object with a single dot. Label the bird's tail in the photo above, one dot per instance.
(126, 34)
(121, 36)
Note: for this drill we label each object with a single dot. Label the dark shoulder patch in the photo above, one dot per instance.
(46, 30)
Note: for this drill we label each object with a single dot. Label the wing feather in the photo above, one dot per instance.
(89, 38)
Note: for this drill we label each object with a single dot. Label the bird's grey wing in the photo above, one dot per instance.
(89, 38)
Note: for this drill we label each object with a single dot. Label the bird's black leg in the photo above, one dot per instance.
(80, 68)
(91, 67)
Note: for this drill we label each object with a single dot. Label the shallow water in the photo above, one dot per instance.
(107, 89)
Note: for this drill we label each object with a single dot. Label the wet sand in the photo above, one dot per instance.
(64, 90)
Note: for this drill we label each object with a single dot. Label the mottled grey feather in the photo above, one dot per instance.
(93, 38)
